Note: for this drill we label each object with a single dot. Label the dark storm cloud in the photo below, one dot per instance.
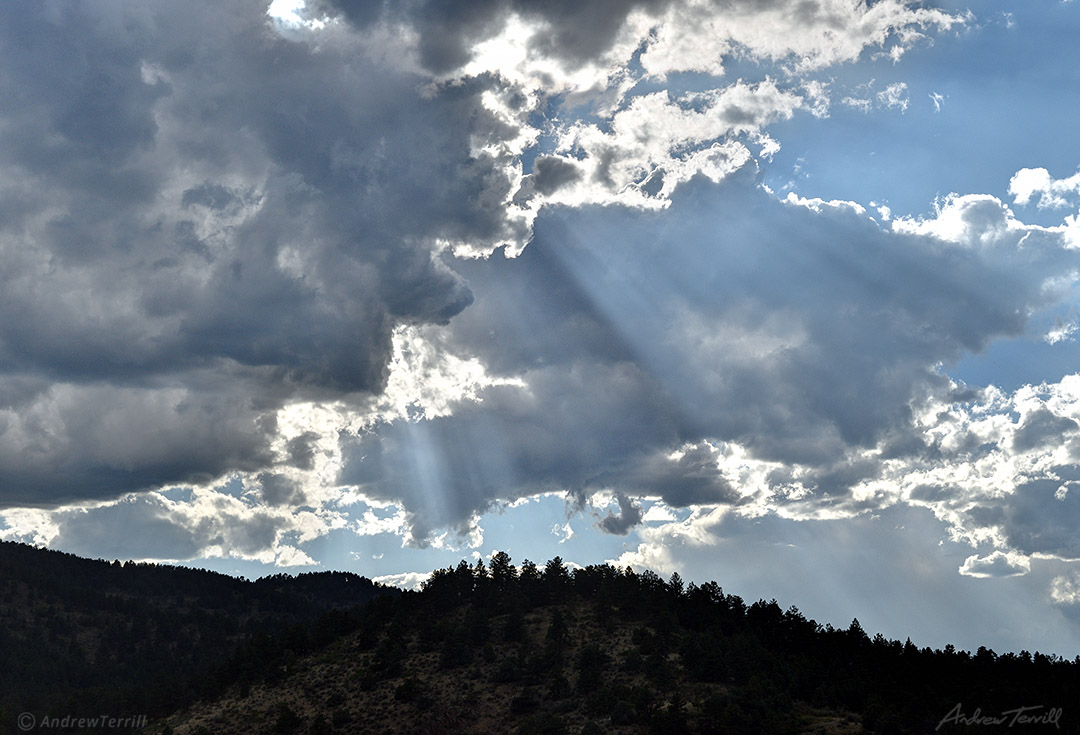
(798, 333)
(1042, 425)
(688, 479)
(1036, 521)
(279, 490)
(629, 515)
(202, 220)
(570, 431)
(147, 526)
(571, 30)
(802, 333)
(73, 442)
(212, 196)
(550, 174)
(301, 450)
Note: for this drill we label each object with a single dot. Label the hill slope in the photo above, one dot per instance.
(86, 637)
(601, 650)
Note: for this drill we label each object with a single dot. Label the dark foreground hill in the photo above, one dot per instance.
(481, 649)
(602, 650)
(84, 638)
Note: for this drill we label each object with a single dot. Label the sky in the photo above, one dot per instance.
(779, 293)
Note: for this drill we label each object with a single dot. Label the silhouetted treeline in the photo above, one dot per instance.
(80, 636)
(536, 649)
(771, 665)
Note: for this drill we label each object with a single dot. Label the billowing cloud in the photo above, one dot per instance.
(193, 240)
(235, 246)
(997, 564)
(1065, 590)
(693, 35)
(1052, 193)
(404, 580)
(212, 214)
(766, 354)
(178, 526)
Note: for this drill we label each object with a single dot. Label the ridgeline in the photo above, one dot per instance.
(481, 649)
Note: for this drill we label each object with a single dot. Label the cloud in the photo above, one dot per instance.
(648, 140)
(695, 356)
(65, 441)
(550, 174)
(448, 34)
(1065, 590)
(996, 564)
(858, 103)
(1053, 193)
(996, 470)
(1041, 425)
(698, 36)
(212, 523)
(404, 580)
(904, 553)
(193, 242)
(564, 532)
(724, 384)
(692, 35)
(895, 96)
(1062, 332)
(658, 512)
(970, 219)
(215, 265)
(664, 547)
(629, 516)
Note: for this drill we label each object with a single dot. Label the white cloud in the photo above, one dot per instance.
(996, 564)
(698, 35)
(865, 100)
(894, 96)
(658, 513)
(858, 103)
(659, 545)
(404, 580)
(290, 16)
(209, 523)
(1065, 590)
(373, 524)
(34, 526)
(972, 219)
(1053, 193)
(1063, 332)
(667, 140)
(564, 532)
(817, 97)
(648, 143)
(426, 380)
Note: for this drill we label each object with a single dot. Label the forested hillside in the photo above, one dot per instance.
(495, 649)
(480, 649)
(86, 637)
